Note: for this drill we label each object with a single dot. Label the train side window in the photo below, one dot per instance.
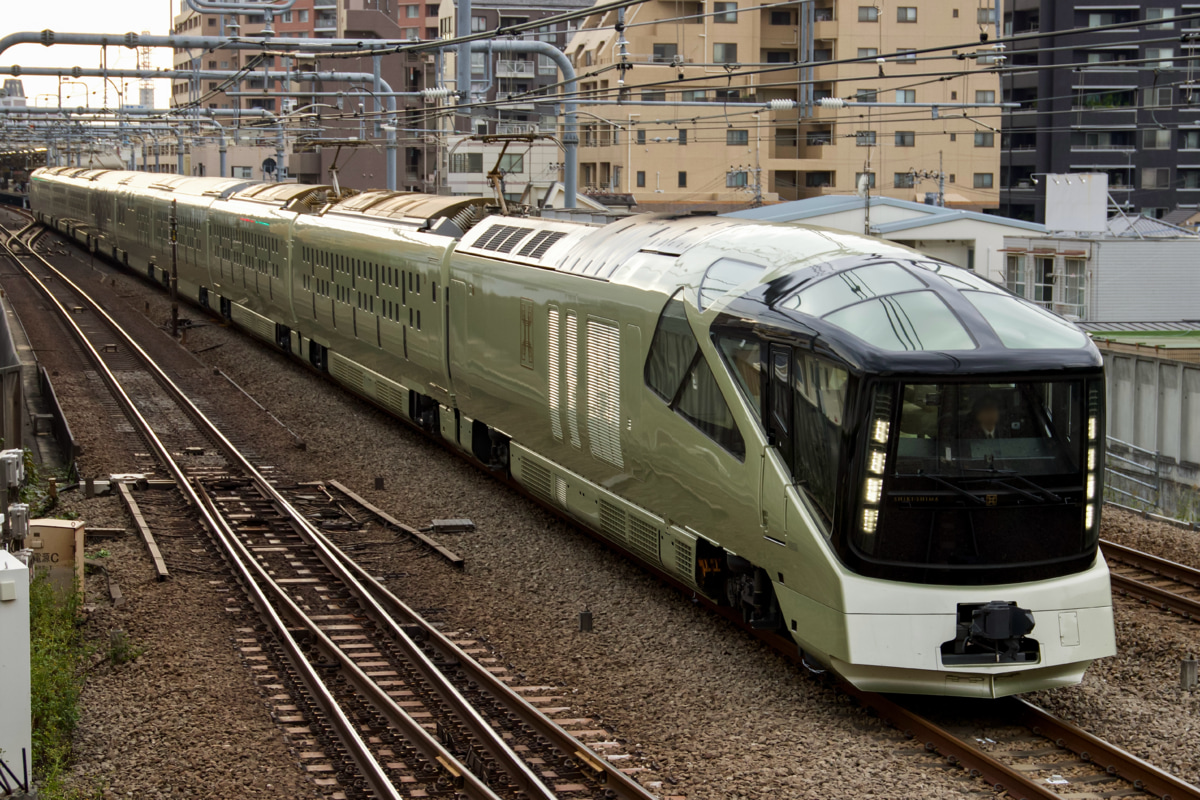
(672, 350)
(677, 372)
(779, 399)
(819, 409)
(743, 355)
(701, 403)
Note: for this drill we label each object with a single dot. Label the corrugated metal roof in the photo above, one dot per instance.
(1146, 228)
(1121, 327)
(798, 210)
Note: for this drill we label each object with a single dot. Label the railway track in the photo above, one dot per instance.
(396, 707)
(1012, 745)
(1156, 581)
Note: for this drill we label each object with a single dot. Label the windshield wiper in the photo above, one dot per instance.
(1012, 473)
(941, 481)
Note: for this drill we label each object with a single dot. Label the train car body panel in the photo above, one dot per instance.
(776, 416)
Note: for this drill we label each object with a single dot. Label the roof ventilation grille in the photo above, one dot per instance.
(538, 246)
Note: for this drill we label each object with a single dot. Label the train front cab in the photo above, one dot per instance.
(948, 452)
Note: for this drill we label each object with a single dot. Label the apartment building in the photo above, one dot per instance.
(738, 150)
(351, 115)
(500, 83)
(1119, 101)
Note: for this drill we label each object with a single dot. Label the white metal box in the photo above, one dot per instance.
(15, 725)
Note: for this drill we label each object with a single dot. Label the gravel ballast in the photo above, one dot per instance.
(708, 711)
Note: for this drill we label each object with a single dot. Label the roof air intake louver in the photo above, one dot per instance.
(510, 241)
(539, 244)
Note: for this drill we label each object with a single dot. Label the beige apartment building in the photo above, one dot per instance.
(740, 150)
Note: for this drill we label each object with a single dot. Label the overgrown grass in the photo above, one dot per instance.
(57, 652)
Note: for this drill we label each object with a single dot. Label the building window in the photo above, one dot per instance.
(1159, 97)
(478, 63)
(864, 138)
(665, 52)
(241, 172)
(983, 180)
(984, 16)
(1189, 140)
(682, 180)
(1043, 281)
(304, 15)
(858, 179)
(780, 57)
(1155, 139)
(902, 180)
(906, 138)
(725, 12)
(781, 18)
(478, 24)
(654, 96)
(1161, 55)
(1073, 287)
(1014, 275)
(641, 136)
(906, 14)
(737, 179)
(1162, 14)
(724, 53)
(682, 132)
(867, 52)
(906, 95)
(641, 179)
(985, 96)
(412, 12)
(511, 162)
(546, 65)
(868, 14)
(1189, 178)
(1156, 178)
(985, 139)
(738, 138)
(907, 55)
(866, 96)
(466, 163)
(818, 179)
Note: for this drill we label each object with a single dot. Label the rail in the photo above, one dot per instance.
(1167, 585)
(284, 616)
(1017, 780)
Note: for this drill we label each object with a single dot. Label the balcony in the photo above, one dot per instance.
(506, 68)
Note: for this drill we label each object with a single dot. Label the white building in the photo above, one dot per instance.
(1137, 270)
(521, 164)
(964, 238)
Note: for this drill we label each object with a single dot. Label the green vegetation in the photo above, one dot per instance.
(57, 653)
(121, 650)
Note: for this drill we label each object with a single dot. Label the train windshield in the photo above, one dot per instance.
(979, 431)
(973, 483)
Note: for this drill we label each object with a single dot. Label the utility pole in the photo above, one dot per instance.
(941, 182)
(173, 223)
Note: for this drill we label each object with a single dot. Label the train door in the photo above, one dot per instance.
(778, 456)
(458, 357)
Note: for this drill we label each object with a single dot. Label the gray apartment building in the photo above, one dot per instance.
(1118, 102)
(499, 77)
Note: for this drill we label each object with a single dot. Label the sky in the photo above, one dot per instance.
(85, 16)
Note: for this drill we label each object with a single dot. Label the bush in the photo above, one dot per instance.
(56, 656)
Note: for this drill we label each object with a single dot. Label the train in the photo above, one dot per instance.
(885, 458)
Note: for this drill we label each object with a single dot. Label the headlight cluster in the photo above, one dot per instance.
(876, 466)
(1089, 511)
